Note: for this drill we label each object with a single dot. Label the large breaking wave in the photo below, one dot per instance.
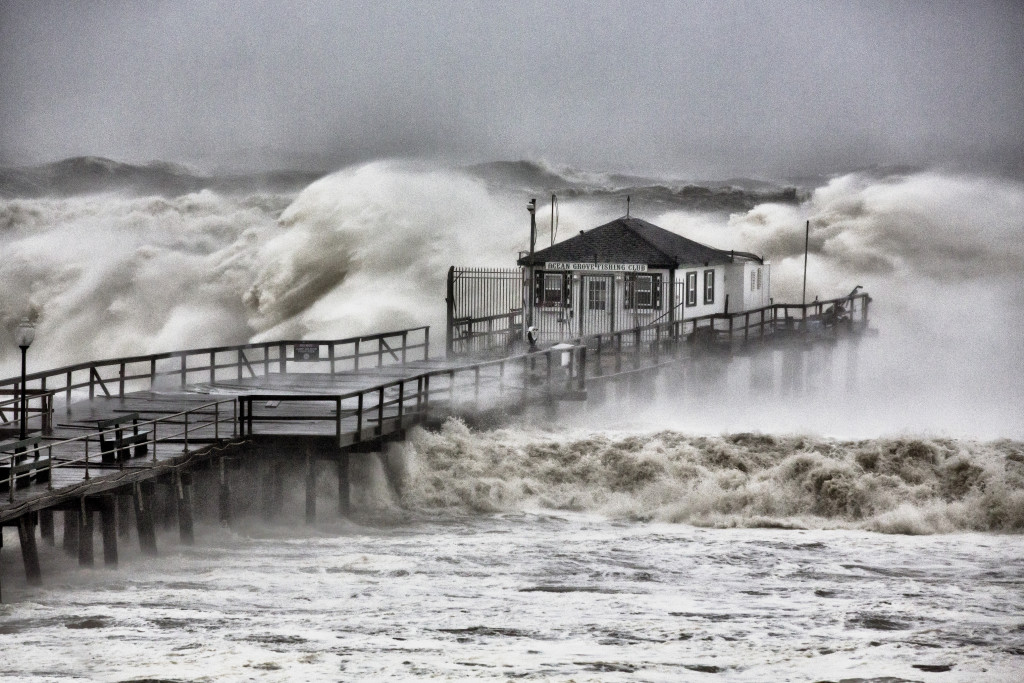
(892, 485)
(112, 260)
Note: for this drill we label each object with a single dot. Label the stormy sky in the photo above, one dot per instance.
(698, 89)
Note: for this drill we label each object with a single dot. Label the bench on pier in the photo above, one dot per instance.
(20, 463)
(117, 437)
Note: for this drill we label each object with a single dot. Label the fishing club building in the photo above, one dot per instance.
(629, 273)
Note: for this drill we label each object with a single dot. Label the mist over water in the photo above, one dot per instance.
(708, 523)
(366, 249)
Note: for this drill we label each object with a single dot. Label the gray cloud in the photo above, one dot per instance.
(698, 88)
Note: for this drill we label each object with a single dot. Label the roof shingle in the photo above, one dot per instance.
(631, 240)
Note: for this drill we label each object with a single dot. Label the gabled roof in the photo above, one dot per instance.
(632, 240)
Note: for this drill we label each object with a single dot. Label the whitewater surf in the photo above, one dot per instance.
(857, 530)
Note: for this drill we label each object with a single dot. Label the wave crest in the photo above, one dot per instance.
(911, 485)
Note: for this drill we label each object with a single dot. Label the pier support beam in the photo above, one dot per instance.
(224, 496)
(46, 527)
(143, 499)
(85, 533)
(344, 486)
(70, 542)
(183, 486)
(310, 487)
(29, 552)
(124, 515)
(272, 490)
(108, 523)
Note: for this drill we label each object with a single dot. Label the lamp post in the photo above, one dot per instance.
(23, 335)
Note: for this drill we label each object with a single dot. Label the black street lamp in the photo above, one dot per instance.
(23, 335)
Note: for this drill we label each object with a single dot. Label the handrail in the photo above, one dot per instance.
(819, 306)
(94, 435)
(421, 395)
(111, 376)
(211, 349)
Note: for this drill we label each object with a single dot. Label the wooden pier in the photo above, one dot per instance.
(131, 438)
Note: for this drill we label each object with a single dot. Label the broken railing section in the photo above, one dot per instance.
(117, 376)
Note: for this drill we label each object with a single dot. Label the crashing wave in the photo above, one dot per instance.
(891, 485)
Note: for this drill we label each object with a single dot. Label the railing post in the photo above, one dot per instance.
(581, 369)
(183, 364)
(49, 457)
(216, 421)
(359, 418)
(337, 419)
(401, 401)
(426, 343)
(120, 381)
(405, 343)
(86, 476)
(355, 356)
(380, 411)
(618, 352)
(282, 358)
(186, 431)
(330, 352)
(449, 300)
(234, 419)
(213, 367)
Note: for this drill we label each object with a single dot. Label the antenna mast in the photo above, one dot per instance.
(807, 240)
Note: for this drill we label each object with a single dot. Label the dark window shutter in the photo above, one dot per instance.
(657, 291)
(627, 293)
(538, 287)
(567, 290)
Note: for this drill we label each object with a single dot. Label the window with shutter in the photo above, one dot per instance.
(550, 288)
(709, 286)
(642, 291)
(691, 288)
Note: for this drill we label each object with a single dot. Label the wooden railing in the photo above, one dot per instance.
(754, 324)
(469, 335)
(178, 428)
(553, 372)
(116, 376)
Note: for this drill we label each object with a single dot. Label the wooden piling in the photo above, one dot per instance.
(85, 534)
(143, 499)
(272, 490)
(344, 487)
(183, 486)
(224, 496)
(70, 541)
(29, 552)
(46, 527)
(124, 515)
(310, 487)
(108, 508)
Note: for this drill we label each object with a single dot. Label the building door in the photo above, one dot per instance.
(596, 308)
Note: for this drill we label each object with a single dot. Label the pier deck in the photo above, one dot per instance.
(185, 410)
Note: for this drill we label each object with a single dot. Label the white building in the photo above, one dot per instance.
(629, 273)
